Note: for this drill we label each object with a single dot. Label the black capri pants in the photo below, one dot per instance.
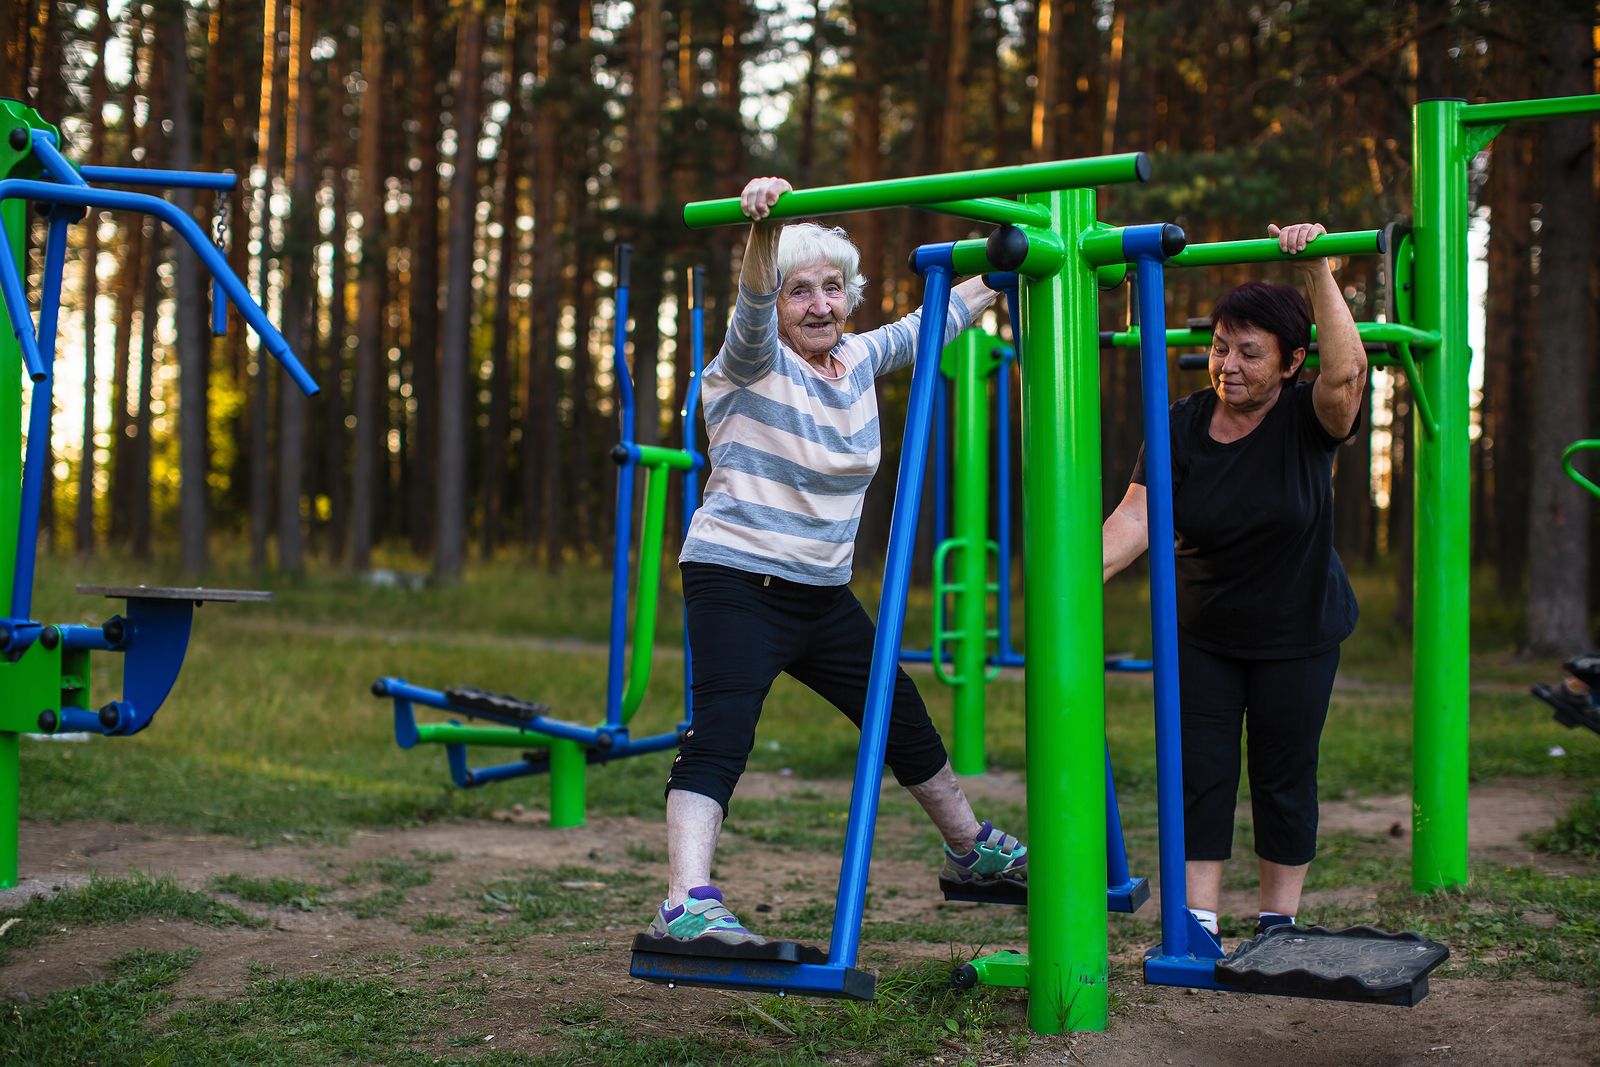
(1285, 704)
(744, 630)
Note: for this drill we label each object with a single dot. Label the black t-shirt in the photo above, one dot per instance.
(1257, 574)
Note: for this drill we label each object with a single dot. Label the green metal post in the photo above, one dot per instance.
(14, 163)
(972, 363)
(1440, 635)
(568, 767)
(1065, 687)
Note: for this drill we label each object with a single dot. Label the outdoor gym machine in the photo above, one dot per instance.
(561, 748)
(44, 673)
(1042, 241)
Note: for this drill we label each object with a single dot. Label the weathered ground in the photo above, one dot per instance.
(540, 982)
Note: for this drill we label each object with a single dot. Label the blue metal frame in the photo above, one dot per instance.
(622, 538)
(1187, 951)
(691, 477)
(154, 634)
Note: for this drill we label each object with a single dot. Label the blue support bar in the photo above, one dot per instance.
(167, 179)
(401, 690)
(933, 262)
(1149, 246)
(91, 638)
(805, 979)
(622, 539)
(115, 200)
(39, 410)
(157, 638)
(691, 477)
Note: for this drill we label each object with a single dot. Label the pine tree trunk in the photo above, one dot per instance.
(83, 527)
(268, 142)
(333, 477)
(422, 502)
(300, 269)
(1558, 579)
(496, 451)
(450, 536)
(365, 471)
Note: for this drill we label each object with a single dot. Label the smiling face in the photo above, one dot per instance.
(1247, 370)
(812, 306)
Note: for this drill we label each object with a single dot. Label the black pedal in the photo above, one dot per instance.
(1360, 963)
(1571, 708)
(470, 699)
(1586, 669)
(999, 891)
(707, 948)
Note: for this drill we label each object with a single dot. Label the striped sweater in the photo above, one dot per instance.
(791, 450)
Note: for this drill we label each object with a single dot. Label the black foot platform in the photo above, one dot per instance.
(996, 892)
(1571, 708)
(706, 948)
(470, 699)
(780, 967)
(199, 595)
(1359, 963)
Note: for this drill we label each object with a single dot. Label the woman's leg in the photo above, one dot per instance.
(739, 641)
(836, 666)
(1212, 695)
(1288, 701)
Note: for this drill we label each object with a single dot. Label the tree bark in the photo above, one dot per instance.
(497, 449)
(450, 535)
(268, 142)
(365, 472)
(83, 527)
(422, 503)
(300, 268)
(1558, 578)
(192, 492)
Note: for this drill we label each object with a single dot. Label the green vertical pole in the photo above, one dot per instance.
(14, 163)
(568, 768)
(1065, 686)
(1439, 665)
(971, 532)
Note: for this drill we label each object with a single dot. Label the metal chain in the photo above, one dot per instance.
(221, 218)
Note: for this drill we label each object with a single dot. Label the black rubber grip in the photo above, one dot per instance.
(624, 262)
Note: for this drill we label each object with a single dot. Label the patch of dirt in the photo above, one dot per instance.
(536, 985)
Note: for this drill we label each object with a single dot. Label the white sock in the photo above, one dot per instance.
(1207, 919)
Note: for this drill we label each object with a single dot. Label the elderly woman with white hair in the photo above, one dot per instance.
(792, 422)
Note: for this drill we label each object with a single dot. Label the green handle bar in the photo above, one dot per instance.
(1266, 250)
(958, 189)
(1573, 449)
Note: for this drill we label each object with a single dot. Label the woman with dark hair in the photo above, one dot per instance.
(1263, 601)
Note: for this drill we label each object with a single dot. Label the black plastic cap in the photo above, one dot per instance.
(48, 721)
(109, 717)
(965, 976)
(114, 629)
(619, 455)
(1173, 239)
(603, 741)
(1007, 248)
(1141, 167)
(49, 637)
(697, 278)
(624, 262)
(19, 138)
(379, 689)
(1383, 240)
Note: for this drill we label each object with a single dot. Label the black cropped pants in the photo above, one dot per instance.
(746, 629)
(1283, 704)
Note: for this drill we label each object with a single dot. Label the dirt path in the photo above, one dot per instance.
(1463, 1021)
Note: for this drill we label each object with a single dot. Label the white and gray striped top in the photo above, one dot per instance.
(791, 450)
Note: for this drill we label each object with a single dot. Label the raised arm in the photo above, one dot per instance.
(759, 271)
(1342, 373)
(1126, 534)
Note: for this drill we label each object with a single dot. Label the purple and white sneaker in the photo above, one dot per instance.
(997, 860)
(702, 916)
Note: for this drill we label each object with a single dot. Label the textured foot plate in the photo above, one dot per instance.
(706, 948)
(470, 699)
(1360, 963)
(999, 892)
(157, 592)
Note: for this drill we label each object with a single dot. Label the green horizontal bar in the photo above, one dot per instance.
(993, 209)
(1556, 107)
(672, 458)
(1266, 250)
(932, 189)
(1376, 332)
(971, 257)
(449, 733)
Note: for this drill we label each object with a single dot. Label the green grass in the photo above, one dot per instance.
(271, 734)
(109, 901)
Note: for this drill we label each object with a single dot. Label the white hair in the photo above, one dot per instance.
(806, 244)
